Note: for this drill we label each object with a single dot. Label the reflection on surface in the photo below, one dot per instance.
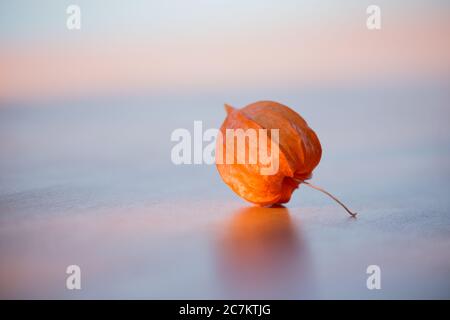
(263, 255)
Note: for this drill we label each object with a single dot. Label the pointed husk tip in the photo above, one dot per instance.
(228, 108)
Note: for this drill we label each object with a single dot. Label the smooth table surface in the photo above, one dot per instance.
(90, 182)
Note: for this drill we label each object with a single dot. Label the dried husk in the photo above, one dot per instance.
(299, 153)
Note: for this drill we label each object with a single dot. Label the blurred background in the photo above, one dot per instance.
(86, 176)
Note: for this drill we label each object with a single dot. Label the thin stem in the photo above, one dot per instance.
(353, 214)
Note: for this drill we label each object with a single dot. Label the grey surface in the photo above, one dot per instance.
(90, 182)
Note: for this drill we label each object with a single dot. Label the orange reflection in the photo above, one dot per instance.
(264, 255)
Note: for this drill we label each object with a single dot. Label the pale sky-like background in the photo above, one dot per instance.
(178, 46)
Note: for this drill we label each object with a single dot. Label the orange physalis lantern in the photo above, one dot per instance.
(262, 136)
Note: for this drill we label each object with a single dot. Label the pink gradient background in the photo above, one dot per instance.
(242, 47)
